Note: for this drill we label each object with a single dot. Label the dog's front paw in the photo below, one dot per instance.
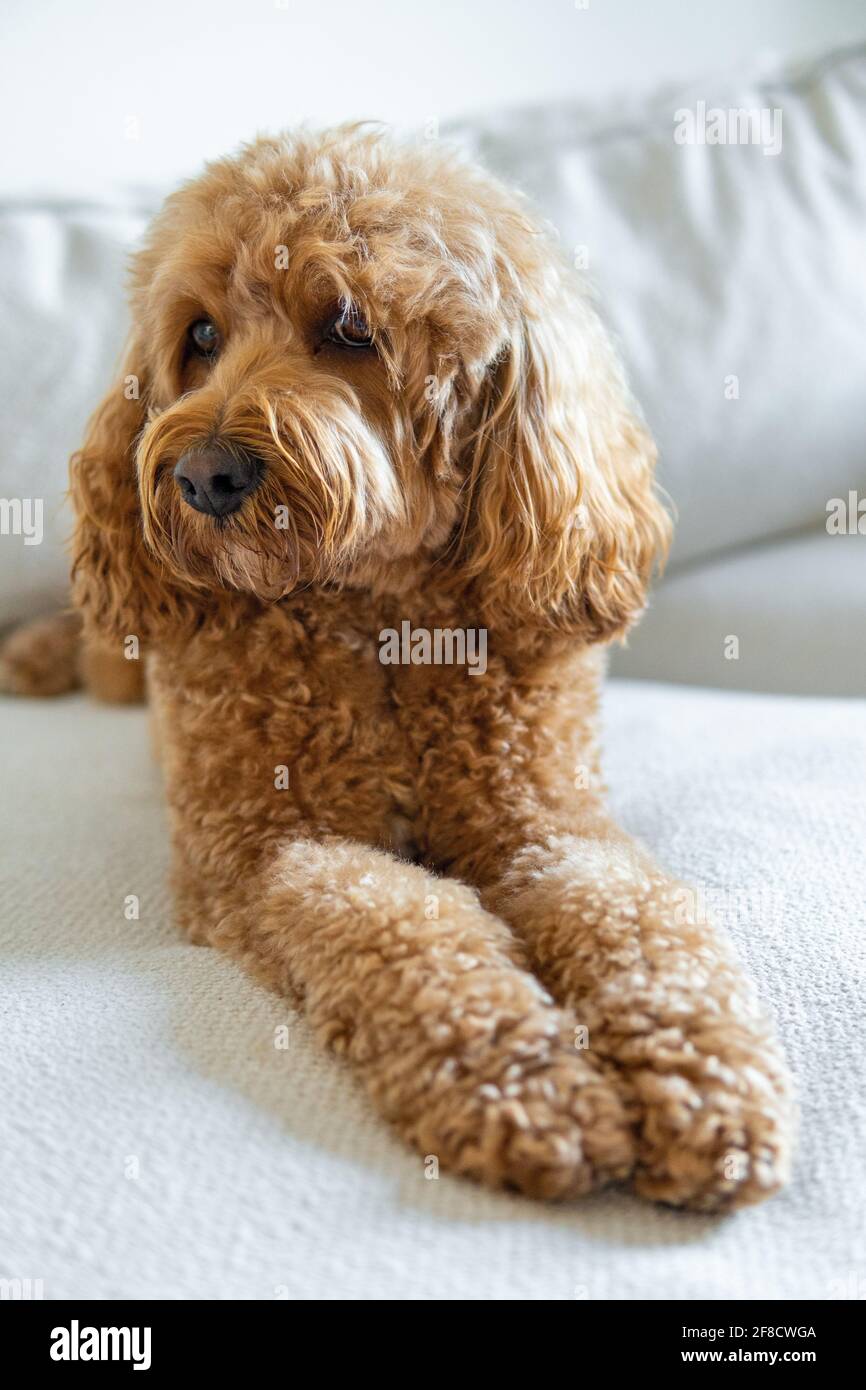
(535, 1119)
(707, 1089)
(493, 1087)
(669, 1015)
(714, 1117)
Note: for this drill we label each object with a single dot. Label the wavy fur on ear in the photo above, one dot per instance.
(116, 583)
(563, 525)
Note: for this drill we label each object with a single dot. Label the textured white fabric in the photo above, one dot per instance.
(263, 1173)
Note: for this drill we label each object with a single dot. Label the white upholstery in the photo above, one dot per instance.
(797, 608)
(62, 325)
(263, 1173)
(720, 260)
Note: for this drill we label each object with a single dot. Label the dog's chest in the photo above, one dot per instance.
(296, 724)
(288, 725)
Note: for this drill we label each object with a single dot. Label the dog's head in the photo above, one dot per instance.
(348, 357)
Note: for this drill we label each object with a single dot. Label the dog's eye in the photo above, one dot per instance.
(204, 337)
(350, 329)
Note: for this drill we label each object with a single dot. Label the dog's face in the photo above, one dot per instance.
(306, 309)
(347, 353)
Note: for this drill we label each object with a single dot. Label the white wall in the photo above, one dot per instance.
(190, 78)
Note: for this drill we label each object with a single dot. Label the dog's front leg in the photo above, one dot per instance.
(422, 990)
(665, 1004)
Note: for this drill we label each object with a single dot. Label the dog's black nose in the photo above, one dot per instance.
(216, 480)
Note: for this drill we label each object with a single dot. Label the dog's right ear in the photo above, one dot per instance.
(563, 522)
(116, 582)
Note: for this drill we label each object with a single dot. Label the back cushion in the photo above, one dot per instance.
(62, 325)
(734, 276)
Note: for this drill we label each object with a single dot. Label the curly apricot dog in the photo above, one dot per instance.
(363, 395)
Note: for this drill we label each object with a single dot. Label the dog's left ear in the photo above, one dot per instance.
(562, 525)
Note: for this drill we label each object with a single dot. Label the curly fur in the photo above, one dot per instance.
(449, 906)
(46, 657)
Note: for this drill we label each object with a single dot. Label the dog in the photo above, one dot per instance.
(364, 396)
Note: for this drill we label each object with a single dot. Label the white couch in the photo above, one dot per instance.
(155, 1141)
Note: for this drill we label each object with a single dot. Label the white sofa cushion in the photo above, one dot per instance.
(716, 261)
(62, 324)
(156, 1143)
(796, 607)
